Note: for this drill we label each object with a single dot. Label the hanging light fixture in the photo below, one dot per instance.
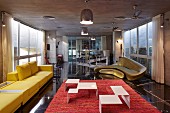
(93, 38)
(86, 16)
(84, 31)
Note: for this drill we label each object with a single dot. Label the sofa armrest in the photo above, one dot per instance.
(46, 68)
(12, 76)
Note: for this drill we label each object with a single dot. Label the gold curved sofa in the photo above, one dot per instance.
(132, 69)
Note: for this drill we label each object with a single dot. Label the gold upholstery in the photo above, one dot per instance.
(114, 72)
(132, 69)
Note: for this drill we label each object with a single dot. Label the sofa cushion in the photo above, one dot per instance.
(45, 73)
(29, 88)
(24, 71)
(12, 76)
(34, 67)
(10, 102)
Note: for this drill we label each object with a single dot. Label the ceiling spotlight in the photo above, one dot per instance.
(49, 17)
(86, 16)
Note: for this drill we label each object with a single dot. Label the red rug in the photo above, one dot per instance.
(82, 103)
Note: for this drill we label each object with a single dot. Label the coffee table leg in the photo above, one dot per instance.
(65, 87)
(97, 93)
(100, 107)
(126, 98)
(68, 98)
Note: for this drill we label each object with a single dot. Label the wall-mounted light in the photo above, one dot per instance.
(48, 36)
(119, 41)
(162, 20)
(3, 24)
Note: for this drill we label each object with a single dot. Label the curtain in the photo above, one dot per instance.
(158, 50)
(7, 45)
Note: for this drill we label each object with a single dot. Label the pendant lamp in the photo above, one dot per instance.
(86, 16)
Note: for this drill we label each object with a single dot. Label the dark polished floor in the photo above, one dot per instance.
(156, 94)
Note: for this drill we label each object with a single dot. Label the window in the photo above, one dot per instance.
(142, 40)
(138, 45)
(23, 61)
(28, 44)
(127, 43)
(33, 41)
(24, 40)
(150, 39)
(134, 41)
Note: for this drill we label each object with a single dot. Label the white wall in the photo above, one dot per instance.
(54, 39)
(51, 54)
(63, 47)
(117, 52)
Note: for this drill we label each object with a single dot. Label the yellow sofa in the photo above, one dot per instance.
(25, 82)
(132, 69)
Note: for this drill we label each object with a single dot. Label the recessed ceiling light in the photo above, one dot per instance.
(59, 27)
(49, 17)
(106, 27)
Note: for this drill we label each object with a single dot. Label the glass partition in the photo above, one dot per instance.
(139, 41)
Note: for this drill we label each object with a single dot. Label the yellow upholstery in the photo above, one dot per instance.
(10, 102)
(29, 88)
(24, 71)
(34, 67)
(12, 76)
(132, 69)
(4, 84)
(46, 68)
(23, 79)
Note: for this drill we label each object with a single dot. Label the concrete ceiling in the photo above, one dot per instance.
(67, 13)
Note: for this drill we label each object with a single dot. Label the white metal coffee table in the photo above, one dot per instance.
(88, 85)
(82, 85)
(108, 99)
(71, 81)
(119, 90)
